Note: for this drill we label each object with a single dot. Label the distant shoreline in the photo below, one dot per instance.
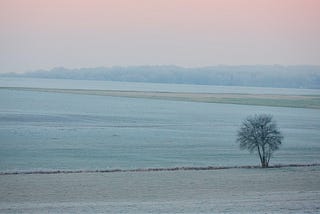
(154, 169)
(275, 100)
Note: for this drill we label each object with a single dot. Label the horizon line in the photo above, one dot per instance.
(158, 65)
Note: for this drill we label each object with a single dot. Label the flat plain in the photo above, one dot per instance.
(277, 190)
(277, 100)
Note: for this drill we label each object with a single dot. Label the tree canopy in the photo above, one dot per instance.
(260, 134)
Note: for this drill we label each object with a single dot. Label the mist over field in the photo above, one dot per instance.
(294, 76)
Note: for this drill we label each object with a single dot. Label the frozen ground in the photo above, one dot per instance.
(279, 190)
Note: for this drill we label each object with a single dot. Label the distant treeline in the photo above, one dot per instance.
(299, 76)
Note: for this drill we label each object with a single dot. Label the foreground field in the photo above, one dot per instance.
(278, 190)
(297, 101)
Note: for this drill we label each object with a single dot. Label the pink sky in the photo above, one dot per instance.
(41, 34)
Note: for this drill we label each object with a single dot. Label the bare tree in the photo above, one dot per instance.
(259, 133)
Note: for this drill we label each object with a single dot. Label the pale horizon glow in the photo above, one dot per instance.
(42, 34)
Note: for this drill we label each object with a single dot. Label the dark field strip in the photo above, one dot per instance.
(277, 100)
(153, 169)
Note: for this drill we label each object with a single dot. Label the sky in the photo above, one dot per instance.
(42, 34)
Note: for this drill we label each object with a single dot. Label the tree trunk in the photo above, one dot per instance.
(260, 156)
(264, 164)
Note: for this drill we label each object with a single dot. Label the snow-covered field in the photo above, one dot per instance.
(278, 190)
(45, 131)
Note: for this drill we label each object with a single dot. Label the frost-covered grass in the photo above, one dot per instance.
(296, 101)
(276, 190)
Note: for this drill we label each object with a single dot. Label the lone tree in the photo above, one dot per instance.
(259, 133)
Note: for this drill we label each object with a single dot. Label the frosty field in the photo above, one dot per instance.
(52, 131)
(276, 100)
(49, 131)
(285, 190)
